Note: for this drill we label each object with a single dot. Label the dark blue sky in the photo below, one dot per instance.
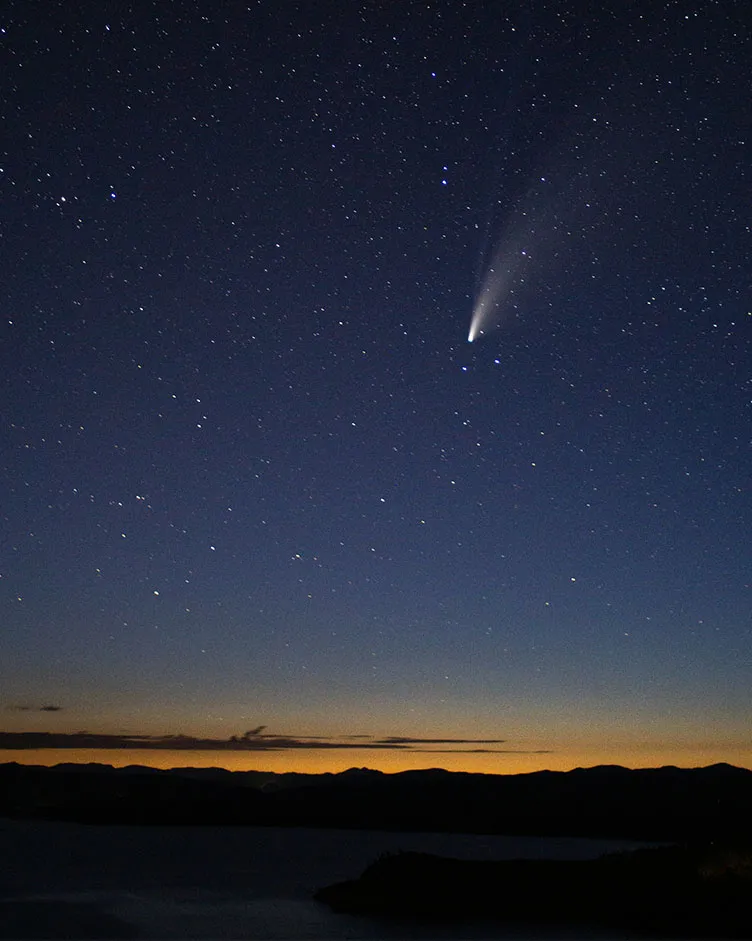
(252, 470)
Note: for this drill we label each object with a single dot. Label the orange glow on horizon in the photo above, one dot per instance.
(317, 761)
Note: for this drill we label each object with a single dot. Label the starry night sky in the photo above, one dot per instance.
(252, 471)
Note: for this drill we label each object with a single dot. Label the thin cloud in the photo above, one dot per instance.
(18, 707)
(254, 740)
(29, 740)
(487, 751)
(402, 740)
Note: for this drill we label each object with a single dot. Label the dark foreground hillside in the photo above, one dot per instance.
(661, 892)
(668, 804)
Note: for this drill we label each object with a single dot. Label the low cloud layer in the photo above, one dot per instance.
(254, 740)
(18, 707)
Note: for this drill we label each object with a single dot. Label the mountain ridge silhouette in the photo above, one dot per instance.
(665, 803)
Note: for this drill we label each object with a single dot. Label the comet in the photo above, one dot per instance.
(485, 306)
(533, 245)
(505, 271)
(496, 287)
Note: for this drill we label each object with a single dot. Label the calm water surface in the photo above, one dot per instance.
(223, 882)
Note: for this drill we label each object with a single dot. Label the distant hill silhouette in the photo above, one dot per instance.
(666, 892)
(608, 801)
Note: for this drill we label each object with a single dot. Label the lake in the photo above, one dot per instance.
(71, 880)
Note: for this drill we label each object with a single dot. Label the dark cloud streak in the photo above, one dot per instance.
(400, 740)
(24, 708)
(250, 741)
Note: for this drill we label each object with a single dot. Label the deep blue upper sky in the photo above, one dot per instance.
(252, 471)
